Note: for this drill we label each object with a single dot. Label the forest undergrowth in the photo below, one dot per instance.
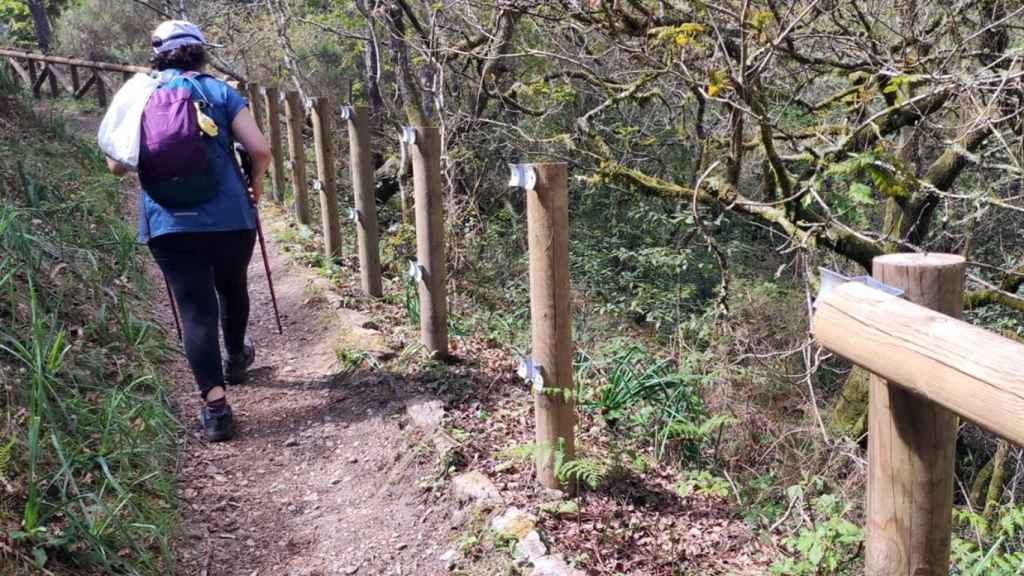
(685, 404)
(87, 440)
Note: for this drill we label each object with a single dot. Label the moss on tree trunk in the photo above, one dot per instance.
(850, 413)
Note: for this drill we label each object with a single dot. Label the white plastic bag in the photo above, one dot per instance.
(120, 131)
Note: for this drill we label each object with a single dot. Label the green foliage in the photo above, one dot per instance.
(16, 23)
(91, 428)
(107, 30)
(631, 256)
(995, 546)
(702, 483)
(861, 175)
(830, 545)
(590, 471)
(631, 389)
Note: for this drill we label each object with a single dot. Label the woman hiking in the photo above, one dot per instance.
(195, 212)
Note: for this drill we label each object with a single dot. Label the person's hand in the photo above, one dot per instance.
(256, 192)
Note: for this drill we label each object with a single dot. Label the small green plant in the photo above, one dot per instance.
(591, 472)
(411, 300)
(702, 483)
(830, 545)
(997, 545)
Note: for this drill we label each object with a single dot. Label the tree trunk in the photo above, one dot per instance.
(372, 62)
(42, 23)
(408, 88)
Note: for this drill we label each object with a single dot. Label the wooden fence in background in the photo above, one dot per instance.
(64, 75)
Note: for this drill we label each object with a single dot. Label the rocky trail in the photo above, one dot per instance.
(320, 479)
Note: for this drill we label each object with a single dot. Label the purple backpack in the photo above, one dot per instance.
(174, 158)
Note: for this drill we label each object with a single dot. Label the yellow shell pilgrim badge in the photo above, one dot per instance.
(206, 124)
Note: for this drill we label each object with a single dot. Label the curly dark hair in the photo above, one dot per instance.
(189, 58)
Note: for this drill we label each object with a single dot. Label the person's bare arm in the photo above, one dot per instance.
(247, 133)
(116, 168)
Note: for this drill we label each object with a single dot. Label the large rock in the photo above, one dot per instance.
(553, 566)
(476, 488)
(514, 523)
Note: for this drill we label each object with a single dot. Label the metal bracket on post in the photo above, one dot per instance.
(408, 136)
(407, 139)
(346, 113)
(831, 280)
(307, 103)
(318, 185)
(415, 271)
(353, 214)
(531, 373)
(523, 176)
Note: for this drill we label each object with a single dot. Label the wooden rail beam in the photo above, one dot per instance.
(106, 66)
(930, 367)
(972, 371)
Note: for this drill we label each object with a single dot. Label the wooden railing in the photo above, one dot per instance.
(35, 70)
(930, 368)
(545, 186)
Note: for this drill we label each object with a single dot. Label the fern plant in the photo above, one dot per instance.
(997, 545)
(590, 471)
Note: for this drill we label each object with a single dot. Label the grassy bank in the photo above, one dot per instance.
(87, 438)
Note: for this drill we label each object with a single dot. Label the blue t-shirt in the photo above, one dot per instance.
(230, 209)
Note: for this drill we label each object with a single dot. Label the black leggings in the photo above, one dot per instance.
(208, 275)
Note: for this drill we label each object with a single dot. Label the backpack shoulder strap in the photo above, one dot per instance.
(193, 79)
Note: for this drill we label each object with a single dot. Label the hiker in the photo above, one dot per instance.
(195, 213)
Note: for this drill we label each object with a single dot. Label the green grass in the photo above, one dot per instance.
(88, 438)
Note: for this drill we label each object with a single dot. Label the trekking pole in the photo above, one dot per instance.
(266, 266)
(174, 309)
(244, 164)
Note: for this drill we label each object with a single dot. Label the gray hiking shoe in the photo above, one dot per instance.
(218, 427)
(236, 367)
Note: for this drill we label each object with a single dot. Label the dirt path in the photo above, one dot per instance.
(321, 479)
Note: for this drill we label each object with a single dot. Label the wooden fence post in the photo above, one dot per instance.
(365, 199)
(547, 212)
(101, 89)
(256, 103)
(33, 75)
(911, 440)
(323, 124)
(273, 104)
(425, 151)
(76, 81)
(296, 116)
(51, 76)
